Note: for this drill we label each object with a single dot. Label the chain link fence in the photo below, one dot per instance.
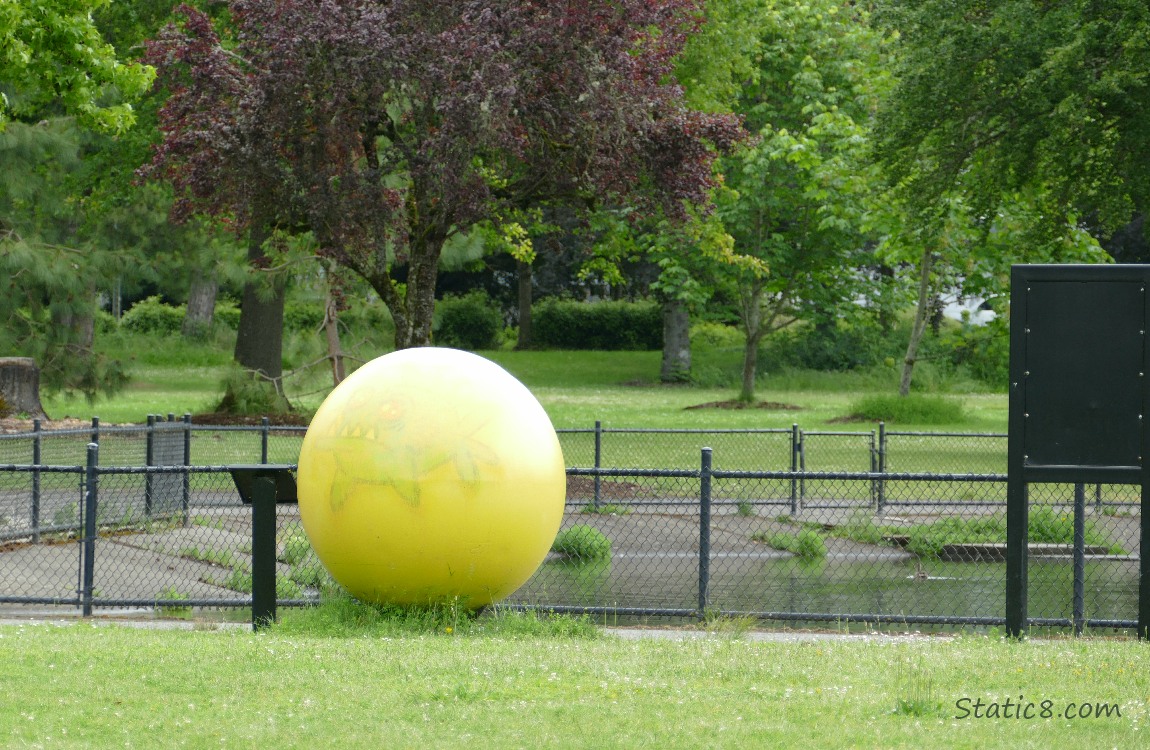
(788, 525)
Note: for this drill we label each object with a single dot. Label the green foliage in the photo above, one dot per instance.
(582, 543)
(914, 408)
(808, 544)
(152, 316)
(227, 314)
(53, 52)
(605, 326)
(296, 548)
(984, 351)
(837, 347)
(248, 394)
(303, 316)
(471, 321)
(1046, 525)
(716, 335)
(221, 557)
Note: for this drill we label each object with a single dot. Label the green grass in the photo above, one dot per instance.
(292, 689)
(582, 543)
(1045, 525)
(169, 375)
(807, 544)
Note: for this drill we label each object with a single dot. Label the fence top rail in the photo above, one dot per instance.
(833, 433)
(858, 475)
(42, 468)
(677, 431)
(905, 433)
(225, 469)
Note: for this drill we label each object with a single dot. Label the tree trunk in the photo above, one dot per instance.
(676, 343)
(422, 269)
(331, 332)
(921, 314)
(752, 315)
(20, 387)
(259, 340)
(201, 306)
(525, 295)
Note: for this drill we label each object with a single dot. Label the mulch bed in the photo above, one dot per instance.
(772, 405)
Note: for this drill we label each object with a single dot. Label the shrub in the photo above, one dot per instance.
(228, 314)
(717, 335)
(605, 326)
(470, 321)
(299, 316)
(983, 350)
(582, 543)
(154, 317)
(838, 347)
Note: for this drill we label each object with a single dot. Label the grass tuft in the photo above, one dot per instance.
(913, 409)
(582, 543)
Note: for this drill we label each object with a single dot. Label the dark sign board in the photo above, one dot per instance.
(1078, 397)
(1078, 371)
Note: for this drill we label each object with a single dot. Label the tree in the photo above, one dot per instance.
(1017, 126)
(796, 197)
(997, 97)
(387, 128)
(52, 52)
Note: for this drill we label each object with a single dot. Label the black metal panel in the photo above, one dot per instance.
(1083, 373)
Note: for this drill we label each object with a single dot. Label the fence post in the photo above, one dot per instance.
(37, 459)
(264, 422)
(96, 430)
(598, 460)
(796, 446)
(1079, 557)
(263, 551)
(881, 481)
(88, 548)
(704, 529)
(149, 460)
(186, 490)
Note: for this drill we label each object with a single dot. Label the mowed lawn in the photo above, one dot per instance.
(101, 686)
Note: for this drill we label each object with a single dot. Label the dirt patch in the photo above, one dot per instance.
(734, 404)
(852, 419)
(224, 419)
(11, 425)
(581, 486)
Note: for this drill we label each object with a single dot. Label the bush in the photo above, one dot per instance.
(983, 350)
(837, 348)
(582, 543)
(604, 326)
(306, 317)
(470, 321)
(153, 317)
(717, 335)
(228, 314)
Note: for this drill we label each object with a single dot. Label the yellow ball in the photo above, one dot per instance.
(431, 474)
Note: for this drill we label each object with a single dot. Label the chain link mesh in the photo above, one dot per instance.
(806, 526)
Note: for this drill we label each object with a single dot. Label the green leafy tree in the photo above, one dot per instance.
(51, 52)
(387, 128)
(1015, 133)
(796, 198)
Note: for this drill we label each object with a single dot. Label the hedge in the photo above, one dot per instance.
(609, 326)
